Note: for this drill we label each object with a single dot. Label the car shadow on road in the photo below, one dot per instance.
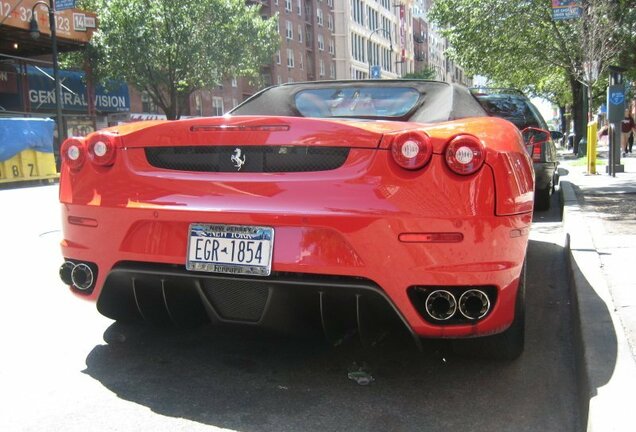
(249, 380)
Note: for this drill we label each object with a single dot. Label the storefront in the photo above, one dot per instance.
(84, 107)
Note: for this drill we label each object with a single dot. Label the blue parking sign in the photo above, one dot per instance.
(376, 72)
(617, 97)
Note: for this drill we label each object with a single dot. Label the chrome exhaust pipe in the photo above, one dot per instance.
(441, 305)
(82, 277)
(65, 272)
(474, 304)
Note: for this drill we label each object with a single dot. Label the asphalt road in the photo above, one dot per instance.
(57, 373)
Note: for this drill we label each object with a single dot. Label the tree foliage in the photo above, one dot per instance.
(424, 74)
(170, 49)
(517, 43)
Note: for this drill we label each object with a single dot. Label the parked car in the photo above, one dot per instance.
(515, 107)
(322, 202)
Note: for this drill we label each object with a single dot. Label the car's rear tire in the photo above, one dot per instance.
(503, 346)
(542, 198)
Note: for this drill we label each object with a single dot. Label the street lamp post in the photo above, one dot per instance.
(35, 33)
(387, 34)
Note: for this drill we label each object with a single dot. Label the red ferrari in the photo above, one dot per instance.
(323, 201)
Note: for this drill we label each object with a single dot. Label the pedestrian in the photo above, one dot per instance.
(628, 127)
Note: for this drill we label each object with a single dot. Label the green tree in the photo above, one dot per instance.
(517, 42)
(424, 74)
(170, 49)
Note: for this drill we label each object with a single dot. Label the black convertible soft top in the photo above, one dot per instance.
(435, 101)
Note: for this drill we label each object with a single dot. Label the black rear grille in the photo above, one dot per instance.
(237, 300)
(267, 159)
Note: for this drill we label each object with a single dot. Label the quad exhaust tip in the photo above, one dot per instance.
(474, 304)
(79, 275)
(441, 305)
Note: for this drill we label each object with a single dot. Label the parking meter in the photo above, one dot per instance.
(615, 114)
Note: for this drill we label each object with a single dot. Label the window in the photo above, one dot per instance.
(357, 8)
(357, 47)
(234, 82)
(332, 47)
(330, 3)
(330, 22)
(288, 5)
(290, 58)
(217, 106)
(372, 17)
(197, 105)
(147, 104)
(300, 33)
(299, 7)
(319, 16)
(277, 57)
(321, 42)
(332, 70)
(289, 30)
(301, 61)
(322, 67)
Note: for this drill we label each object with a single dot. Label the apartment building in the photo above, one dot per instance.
(374, 38)
(431, 47)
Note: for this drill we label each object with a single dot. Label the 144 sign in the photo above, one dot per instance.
(82, 22)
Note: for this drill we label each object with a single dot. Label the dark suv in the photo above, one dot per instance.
(515, 107)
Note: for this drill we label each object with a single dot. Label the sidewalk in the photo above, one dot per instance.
(599, 217)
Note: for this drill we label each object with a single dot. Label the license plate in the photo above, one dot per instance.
(236, 249)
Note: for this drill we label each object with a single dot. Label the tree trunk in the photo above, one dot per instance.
(579, 113)
(564, 125)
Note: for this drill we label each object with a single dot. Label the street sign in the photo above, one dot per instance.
(566, 9)
(376, 72)
(64, 4)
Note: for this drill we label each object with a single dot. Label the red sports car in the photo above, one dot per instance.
(323, 201)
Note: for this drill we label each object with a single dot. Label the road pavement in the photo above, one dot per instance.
(66, 368)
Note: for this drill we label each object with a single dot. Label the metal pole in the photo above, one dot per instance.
(56, 76)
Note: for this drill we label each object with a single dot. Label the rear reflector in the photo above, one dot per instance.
(87, 222)
(452, 237)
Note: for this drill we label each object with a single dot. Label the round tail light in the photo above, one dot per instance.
(412, 150)
(102, 149)
(465, 154)
(73, 153)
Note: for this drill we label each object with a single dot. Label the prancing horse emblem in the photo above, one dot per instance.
(236, 159)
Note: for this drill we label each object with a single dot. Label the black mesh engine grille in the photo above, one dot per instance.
(237, 300)
(268, 159)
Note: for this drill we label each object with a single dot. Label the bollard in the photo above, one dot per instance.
(592, 128)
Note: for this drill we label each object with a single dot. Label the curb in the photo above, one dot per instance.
(605, 366)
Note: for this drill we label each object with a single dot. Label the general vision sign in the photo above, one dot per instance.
(113, 98)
